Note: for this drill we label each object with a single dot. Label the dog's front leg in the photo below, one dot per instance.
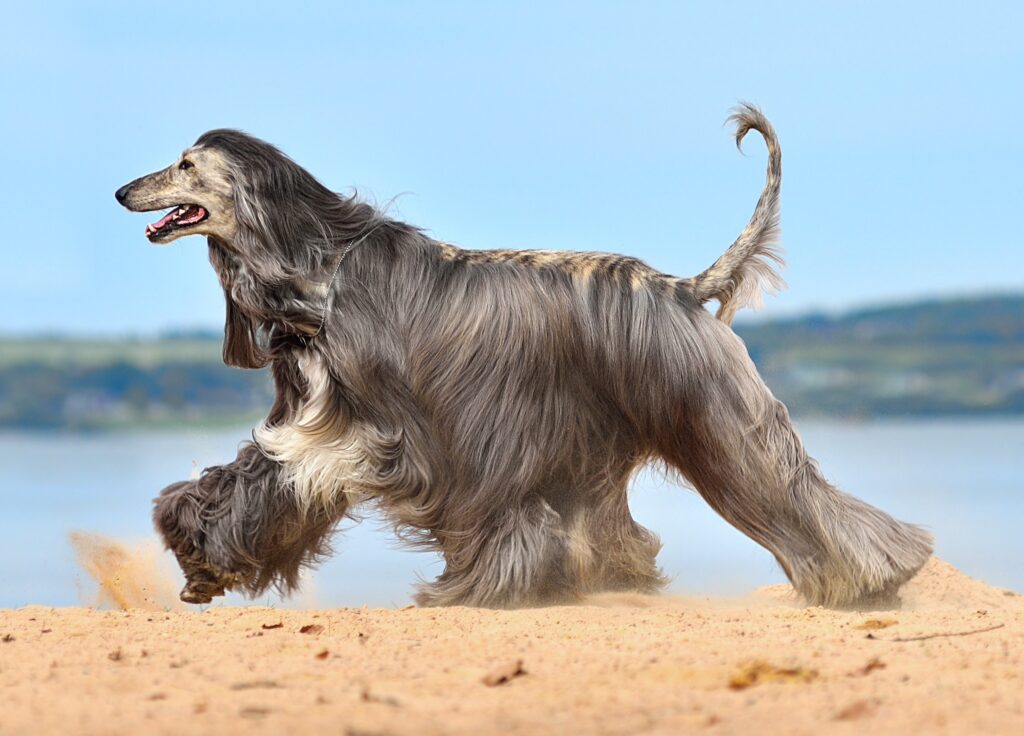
(239, 526)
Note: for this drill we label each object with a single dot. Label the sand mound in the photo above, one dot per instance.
(938, 586)
(128, 577)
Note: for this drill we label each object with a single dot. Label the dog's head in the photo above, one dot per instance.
(270, 224)
(256, 206)
(269, 211)
(198, 188)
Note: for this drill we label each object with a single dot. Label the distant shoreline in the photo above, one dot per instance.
(244, 423)
(933, 359)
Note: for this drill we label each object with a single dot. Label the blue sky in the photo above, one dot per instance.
(584, 126)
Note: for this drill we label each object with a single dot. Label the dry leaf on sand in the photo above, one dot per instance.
(504, 673)
(759, 673)
(873, 664)
(855, 710)
(876, 623)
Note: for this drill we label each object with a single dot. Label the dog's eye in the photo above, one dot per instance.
(185, 164)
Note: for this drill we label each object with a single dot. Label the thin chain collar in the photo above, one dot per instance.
(330, 284)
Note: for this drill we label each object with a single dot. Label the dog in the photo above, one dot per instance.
(493, 404)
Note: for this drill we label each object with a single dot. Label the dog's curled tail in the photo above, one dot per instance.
(740, 274)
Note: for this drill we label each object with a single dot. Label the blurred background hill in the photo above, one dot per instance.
(942, 357)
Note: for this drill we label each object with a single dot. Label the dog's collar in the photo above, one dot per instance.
(330, 284)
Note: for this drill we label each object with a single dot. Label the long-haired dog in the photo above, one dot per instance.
(493, 404)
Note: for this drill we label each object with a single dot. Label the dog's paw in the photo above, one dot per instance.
(201, 587)
(203, 583)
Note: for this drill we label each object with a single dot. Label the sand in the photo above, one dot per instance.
(950, 661)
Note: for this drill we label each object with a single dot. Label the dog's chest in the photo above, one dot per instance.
(323, 460)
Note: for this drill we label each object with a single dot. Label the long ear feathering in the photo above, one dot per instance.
(746, 269)
(242, 344)
(242, 348)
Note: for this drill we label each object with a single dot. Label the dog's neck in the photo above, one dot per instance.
(296, 304)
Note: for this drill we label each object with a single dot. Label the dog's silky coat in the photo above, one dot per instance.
(493, 404)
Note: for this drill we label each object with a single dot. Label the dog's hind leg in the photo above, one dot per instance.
(736, 444)
(517, 558)
(607, 549)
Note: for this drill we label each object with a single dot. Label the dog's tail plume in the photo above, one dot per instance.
(746, 269)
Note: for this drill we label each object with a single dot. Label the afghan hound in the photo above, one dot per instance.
(493, 404)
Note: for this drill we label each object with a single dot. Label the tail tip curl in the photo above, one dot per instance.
(746, 117)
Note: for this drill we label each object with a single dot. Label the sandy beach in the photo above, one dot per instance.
(950, 661)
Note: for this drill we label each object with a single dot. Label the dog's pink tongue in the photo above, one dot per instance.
(161, 222)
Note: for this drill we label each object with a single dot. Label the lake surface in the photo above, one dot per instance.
(963, 479)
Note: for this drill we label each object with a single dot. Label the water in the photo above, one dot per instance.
(962, 478)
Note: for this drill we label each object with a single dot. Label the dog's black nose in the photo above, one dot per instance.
(121, 193)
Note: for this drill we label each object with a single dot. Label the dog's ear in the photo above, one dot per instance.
(242, 347)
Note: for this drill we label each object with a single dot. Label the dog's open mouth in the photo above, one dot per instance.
(182, 216)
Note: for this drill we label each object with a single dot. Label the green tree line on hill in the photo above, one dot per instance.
(930, 358)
